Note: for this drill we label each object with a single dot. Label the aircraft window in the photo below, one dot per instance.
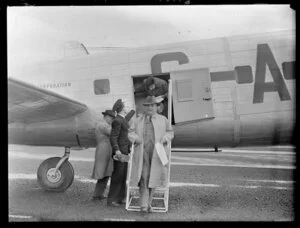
(101, 86)
(184, 90)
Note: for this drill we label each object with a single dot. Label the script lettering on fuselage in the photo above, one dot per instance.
(56, 85)
(243, 74)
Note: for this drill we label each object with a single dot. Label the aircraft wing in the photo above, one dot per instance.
(28, 103)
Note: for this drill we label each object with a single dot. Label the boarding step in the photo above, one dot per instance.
(159, 200)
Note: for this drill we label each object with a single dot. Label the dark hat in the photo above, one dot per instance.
(129, 115)
(149, 81)
(151, 100)
(118, 106)
(109, 113)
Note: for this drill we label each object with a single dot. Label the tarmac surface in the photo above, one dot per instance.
(236, 184)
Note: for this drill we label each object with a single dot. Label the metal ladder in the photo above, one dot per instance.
(160, 193)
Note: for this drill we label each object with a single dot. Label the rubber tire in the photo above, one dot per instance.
(67, 175)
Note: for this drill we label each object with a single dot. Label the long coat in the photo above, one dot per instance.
(103, 165)
(119, 135)
(158, 172)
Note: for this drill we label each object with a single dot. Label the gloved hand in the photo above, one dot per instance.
(163, 140)
(160, 98)
(117, 155)
(122, 157)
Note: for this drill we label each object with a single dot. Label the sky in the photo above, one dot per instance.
(37, 34)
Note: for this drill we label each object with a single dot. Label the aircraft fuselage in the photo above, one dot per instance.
(251, 89)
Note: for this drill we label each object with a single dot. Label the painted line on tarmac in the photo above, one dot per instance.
(244, 186)
(258, 152)
(283, 146)
(229, 160)
(201, 160)
(260, 157)
(259, 186)
(22, 176)
(44, 156)
(89, 180)
(238, 166)
(29, 156)
(232, 151)
(182, 184)
(217, 161)
(119, 219)
(192, 150)
(172, 184)
(20, 216)
(273, 181)
(281, 188)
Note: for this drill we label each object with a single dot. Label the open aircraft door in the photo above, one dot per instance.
(192, 99)
(160, 197)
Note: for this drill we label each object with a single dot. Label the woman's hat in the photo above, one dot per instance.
(151, 100)
(118, 106)
(109, 113)
(129, 115)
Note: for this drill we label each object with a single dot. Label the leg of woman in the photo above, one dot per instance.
(144, 194)
(151, 191)
(100, 188)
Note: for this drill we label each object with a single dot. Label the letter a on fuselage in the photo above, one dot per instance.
(265, 57)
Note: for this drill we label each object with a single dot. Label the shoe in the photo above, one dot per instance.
(99, 198)
(144, 209)
(113, 204)
(150, 209)
(123, 201)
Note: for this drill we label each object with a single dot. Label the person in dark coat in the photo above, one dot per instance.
(157, 87)
(120, 146)
(103, 165)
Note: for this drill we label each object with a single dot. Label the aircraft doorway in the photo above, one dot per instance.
(140, 95)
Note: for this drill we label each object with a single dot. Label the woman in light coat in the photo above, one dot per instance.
(103, 165)
(148, 172)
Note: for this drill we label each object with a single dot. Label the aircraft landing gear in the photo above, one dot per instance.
(56, 174)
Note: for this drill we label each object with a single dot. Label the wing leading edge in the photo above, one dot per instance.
(29, 104)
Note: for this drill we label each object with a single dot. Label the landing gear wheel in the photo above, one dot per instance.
(55, 182)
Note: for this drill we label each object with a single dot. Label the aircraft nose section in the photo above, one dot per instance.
(85, 128)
